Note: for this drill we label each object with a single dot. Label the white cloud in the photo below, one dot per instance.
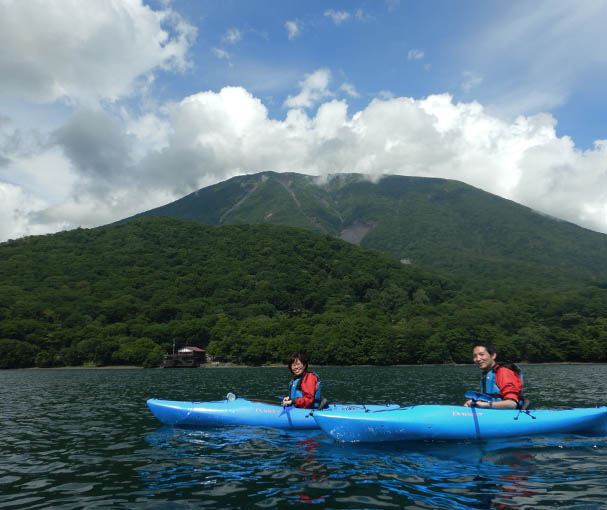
(229, 132)
(338, 17)
(314, 87)
(293, 29)
(211, 136)
(106, 162)
(566, 183)
(84, 52)
(349, 89)
(150, 130)
(44, 174)
(415, 54)
(30, 182)
(15, 205)
(232, 36)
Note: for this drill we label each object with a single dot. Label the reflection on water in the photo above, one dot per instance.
(255, 466)
(85, 439)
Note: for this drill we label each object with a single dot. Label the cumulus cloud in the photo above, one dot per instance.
(31, 181)
(314, 87)
(293, 29)
(218, 135)
(212, 136)
(97, 147)
(15, 206)
(110, 160)
(338, 17)
(85, 52)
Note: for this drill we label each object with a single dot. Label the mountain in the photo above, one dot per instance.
(438, 223)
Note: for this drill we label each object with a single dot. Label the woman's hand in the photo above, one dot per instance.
(286, 402)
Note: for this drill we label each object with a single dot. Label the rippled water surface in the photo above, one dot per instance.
(85, 439)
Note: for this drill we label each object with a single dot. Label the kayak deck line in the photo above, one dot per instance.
(241, 411)
(438, 422)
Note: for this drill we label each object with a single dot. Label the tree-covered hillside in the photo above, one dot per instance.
(435, 223)
(252, 294)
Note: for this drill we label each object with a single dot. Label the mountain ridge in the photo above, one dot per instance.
(439, 223)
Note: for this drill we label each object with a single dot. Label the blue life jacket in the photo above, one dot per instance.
(490, 387)
(295, 389)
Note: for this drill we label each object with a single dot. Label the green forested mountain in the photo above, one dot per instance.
(437, 223)
(253, 293)
(123, 293)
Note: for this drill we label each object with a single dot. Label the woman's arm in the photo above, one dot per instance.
(308, 389)
(497, 404)
(510, 385)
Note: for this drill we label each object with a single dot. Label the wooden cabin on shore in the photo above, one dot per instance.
(186, 357)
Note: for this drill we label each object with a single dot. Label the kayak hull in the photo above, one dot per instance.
(436, 422)
(242, 412)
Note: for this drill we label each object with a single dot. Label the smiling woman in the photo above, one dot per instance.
(304, 390)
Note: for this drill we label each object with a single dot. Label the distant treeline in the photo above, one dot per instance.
(122, 294)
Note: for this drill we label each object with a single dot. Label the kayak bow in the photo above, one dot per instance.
(241, 411)
(457, 423)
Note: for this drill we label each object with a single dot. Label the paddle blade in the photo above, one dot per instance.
(477, 395)
(285, 410)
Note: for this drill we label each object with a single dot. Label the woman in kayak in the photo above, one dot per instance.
(502, 382)
(304, 390)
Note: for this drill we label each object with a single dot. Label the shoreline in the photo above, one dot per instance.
(234, 365)
(82, 367)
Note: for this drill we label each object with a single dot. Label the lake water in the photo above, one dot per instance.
(75, 439)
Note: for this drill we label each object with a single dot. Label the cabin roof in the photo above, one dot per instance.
(191, 348)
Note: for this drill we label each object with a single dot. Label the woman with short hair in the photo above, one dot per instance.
(304, 390)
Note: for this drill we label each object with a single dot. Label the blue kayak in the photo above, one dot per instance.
(439, 422)
(244, 412)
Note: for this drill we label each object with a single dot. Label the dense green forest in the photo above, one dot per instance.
(435, 223)
(122, 294)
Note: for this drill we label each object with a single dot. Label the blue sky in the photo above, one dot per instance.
(409, 48)
(114, 107)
